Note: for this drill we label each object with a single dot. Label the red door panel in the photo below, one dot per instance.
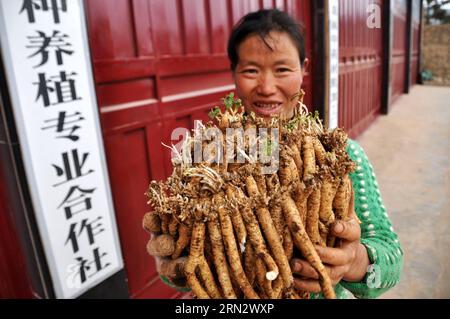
(129, 168)
(195, 27)
(220, 28)
(166, 26)
(112, 40)
(360, 66)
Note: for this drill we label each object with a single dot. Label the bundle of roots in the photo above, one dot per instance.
(239, 225)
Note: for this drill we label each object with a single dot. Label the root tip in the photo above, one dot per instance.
(271, 275)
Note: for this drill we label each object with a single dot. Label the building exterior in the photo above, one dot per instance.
(161, 64)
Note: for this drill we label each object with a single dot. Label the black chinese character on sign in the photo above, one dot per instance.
(76, 204)
(64, 123)
(30, 6)
(71, 172)
(84, 265)
(43, 43)
(62, 85)
(91, 228)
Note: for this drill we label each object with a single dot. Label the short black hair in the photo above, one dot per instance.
(261, 23)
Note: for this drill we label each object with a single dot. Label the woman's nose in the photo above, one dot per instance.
(267, 85)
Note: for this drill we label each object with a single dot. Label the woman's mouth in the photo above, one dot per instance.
(267, 108)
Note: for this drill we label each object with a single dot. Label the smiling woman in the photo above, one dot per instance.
(362, 253)
(268, 79)
(267, 56)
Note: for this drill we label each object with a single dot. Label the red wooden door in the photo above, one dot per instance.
(360, 65)
(399, 50)
(158, 65)
(14, 279)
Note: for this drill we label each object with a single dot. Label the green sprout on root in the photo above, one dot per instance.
(232, 105)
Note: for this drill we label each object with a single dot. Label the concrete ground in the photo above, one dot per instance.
(410, 151)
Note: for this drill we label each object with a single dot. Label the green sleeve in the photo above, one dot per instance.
(377, 233)
(169, 283)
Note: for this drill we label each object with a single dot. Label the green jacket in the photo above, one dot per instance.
(377, 234)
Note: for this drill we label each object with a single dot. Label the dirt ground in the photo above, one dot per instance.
(410, 151)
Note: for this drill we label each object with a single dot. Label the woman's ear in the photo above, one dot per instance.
(305, 65)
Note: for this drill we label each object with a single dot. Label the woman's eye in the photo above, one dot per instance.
(282, 70)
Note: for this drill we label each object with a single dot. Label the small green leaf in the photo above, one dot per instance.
(214, 112)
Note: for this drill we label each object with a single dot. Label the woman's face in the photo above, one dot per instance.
(267, 80)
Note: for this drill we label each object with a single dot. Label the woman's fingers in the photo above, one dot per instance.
(329, 256)
(311, 283)
(303, 268)
(172, 269)
(335, 256)
(348, 230)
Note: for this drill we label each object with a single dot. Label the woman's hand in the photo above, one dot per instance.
(347, 261)
(172, 269)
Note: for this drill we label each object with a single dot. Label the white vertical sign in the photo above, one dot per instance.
(46, 57)
(333, 70)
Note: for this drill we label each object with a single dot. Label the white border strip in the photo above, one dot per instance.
(181, 96)
(168, 98)
(122, 106)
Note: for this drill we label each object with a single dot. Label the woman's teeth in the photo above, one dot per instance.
(267, 106)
